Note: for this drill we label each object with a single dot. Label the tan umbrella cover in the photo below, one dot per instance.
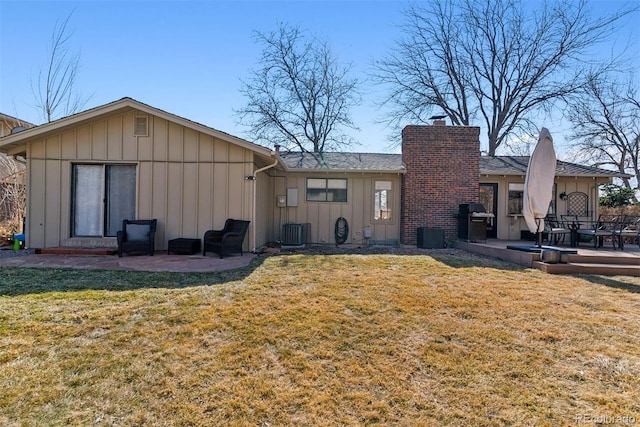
(538, 184)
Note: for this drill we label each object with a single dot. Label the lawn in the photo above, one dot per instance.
(436, 339)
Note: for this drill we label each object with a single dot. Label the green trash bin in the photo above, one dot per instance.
(17, 238)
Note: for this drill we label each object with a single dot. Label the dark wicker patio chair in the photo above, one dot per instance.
(228, 240)
(137, 236)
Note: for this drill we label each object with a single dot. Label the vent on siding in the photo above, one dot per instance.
(141, 126)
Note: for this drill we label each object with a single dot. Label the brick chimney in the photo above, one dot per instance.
(442, 164)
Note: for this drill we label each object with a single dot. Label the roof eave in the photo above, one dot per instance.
(324, 170)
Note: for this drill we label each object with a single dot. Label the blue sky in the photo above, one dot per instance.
(187, 57)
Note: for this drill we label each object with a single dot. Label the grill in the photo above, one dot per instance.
(472, 222)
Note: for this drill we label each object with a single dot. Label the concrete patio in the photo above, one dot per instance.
(160, 261)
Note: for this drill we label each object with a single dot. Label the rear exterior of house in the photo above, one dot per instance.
(439, 169)
(384, 198)
(315, 190)
(575, 192)
(128, 160)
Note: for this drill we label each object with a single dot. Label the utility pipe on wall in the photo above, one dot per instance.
(253, 178)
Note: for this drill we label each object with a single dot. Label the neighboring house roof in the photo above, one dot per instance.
(14, 141)
(342, 162)
(517, 165)
(8, 123)
(372, 162)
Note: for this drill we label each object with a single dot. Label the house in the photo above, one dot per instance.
(126, 159)
(575, 192)
(89, 171)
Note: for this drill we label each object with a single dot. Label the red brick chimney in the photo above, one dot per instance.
(442, 164)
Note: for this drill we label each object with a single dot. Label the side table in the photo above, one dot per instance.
(184, 246)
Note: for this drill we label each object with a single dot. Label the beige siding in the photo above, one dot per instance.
(265, 205)
(190, 181)
(114, 139)
(36, 213)
(322, 216)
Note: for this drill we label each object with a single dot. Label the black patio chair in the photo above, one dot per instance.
(137, 236)
(228, 240)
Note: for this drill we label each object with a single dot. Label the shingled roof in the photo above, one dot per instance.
(517, 165)
(341, 162)
(377, 162)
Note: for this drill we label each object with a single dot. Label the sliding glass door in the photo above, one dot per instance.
(103, 195)
(121, 196)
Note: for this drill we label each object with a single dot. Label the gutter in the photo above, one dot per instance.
(253, 178)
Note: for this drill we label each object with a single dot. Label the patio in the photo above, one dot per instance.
(160, 261)
(604, 260)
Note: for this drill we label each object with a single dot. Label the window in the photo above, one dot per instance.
(516, 194)
(326, 190)
(382, 200)
(103, 195)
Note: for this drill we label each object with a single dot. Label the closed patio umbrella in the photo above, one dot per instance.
(538, 184)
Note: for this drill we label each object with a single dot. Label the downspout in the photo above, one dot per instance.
(255, 197)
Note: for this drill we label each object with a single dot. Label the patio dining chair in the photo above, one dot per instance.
(628, 230)
(555, 230)
(601, 230)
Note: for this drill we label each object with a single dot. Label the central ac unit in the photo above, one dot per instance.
(292, 235)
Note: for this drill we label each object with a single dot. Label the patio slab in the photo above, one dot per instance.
(160, 261)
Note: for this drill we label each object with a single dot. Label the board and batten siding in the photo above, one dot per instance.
(188, 180)
(322, 216)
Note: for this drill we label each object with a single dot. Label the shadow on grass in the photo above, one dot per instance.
(467, 260)
(613, 283)
(15, 281)
(454, 258)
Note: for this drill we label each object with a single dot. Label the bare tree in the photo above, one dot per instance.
(55, 90)
(492, 59)
(606, 124)
(12, 195)
(300, 96)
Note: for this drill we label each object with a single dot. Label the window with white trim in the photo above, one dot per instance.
(514, 202)
(382, 200)
(327, 190)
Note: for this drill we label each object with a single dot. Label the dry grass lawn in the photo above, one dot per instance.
(438, 339)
